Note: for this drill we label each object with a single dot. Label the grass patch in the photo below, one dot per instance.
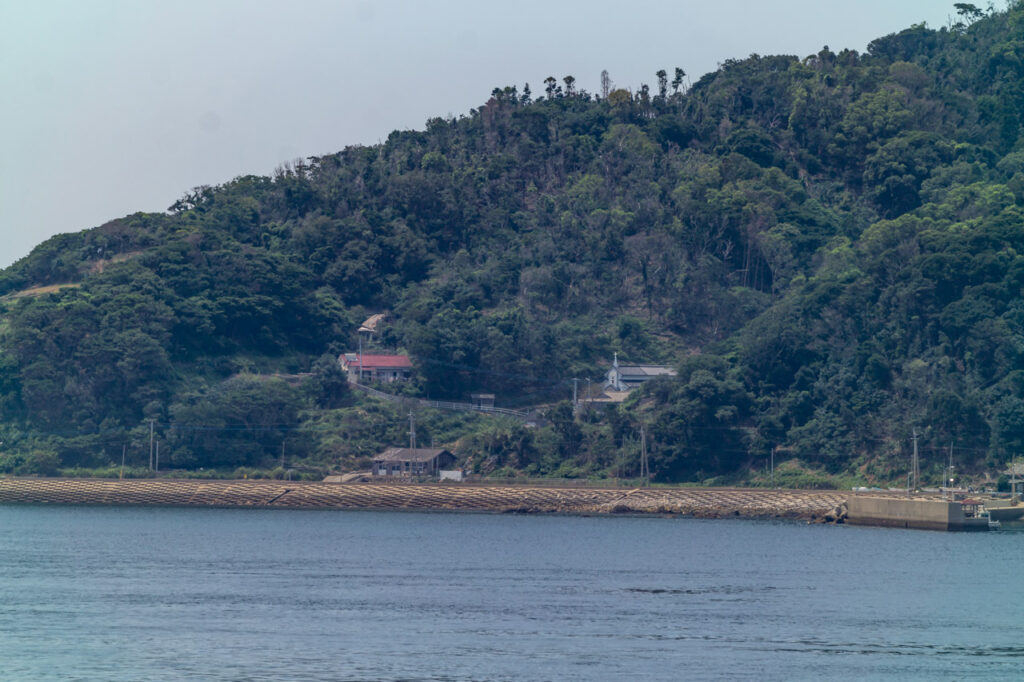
(797, 475)
(39, 291)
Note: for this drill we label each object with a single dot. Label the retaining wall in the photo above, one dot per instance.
(927, 514)
(703, 502)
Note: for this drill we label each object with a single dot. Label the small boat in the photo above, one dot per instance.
(992, 523)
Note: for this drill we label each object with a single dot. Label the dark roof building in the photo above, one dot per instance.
(627, 377)
(411, 461)
(482, 401)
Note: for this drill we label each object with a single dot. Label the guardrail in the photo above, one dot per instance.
(442, 404)
(612, 483)
(475, 480)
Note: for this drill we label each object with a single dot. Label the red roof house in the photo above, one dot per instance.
(376, 368)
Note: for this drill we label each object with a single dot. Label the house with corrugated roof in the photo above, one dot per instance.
(385, 369)
(412, 462)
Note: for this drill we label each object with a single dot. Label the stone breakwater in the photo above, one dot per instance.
(810, 505)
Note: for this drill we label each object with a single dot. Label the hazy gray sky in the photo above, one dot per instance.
(116, 106)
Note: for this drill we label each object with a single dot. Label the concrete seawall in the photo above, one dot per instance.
(921, 513)
(700, 502)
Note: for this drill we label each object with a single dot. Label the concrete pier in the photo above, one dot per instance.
(922, 513)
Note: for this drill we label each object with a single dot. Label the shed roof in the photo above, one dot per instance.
(646, 370)
(376, 361)
(372, 323)
(409, 454)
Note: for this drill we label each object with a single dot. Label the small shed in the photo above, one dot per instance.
(372, 326)
(409, 462)
(482, 401)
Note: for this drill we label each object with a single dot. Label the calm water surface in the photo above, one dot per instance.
(126, 594)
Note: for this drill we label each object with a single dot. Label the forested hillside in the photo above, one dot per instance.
(828, 248)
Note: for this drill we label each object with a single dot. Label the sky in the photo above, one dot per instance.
(117, 106)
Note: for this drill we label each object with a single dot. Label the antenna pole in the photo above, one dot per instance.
(951, 471)
(645, 469)
(1013, 479)
(915, 471)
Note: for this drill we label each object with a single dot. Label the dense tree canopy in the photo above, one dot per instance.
(829, 249)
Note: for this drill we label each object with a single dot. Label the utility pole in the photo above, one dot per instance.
(156, 466)
(774, 448)
(951, 471)
(645, 469)
(412, 430)
(1013, 481)
(586, 398)
(575, 383)
(150, 444)
(124, 450)
(915, 471)
(917, 467)
(282, 453)
(360, 359)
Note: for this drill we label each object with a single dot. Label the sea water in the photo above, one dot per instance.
(128, 594)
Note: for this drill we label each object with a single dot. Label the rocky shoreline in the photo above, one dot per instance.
(808, 505)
